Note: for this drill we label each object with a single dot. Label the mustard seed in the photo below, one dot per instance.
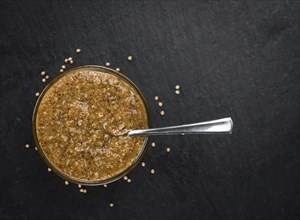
(129, 180)
(47, 77)
(70, 58)
(37, 94)
(78, 50)
(111, 205)
(162, 113)
(125, 178)
(66, 183)
(43, 80)
(118, 69)
(81, 190)
(84, 190)
(177, 92)
(61, 70)
(105, 185)
(143, 164)
(71, 61)
(153, 144)
(160, 104)
(66, 60)
(63, 66)
(177, 87)
(156, 98)
(107, 64)
(168, 149)
(43, 73)
(129, 58)
(27, 145)
(152, 171)
(79, 185)
(35, 148)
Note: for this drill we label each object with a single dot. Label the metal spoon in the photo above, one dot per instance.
(223, 126)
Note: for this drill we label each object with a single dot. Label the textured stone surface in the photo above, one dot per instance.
(238, 59)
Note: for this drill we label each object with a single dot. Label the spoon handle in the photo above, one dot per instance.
(223, 126)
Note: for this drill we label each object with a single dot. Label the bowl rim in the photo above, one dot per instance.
(54, 168)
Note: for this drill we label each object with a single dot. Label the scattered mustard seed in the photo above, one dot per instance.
(66, 60)
(125, 177)
(168, 149)
(105, 185)
(35, 148)
(177, 87)
(153, 144)
(43, 80)
(71, 61)
(152, 171)
(66, 182)
(156, 98)
(107, 64)
(84, 190)
(177, 92)
(162, 113)
(70, 58)
(160, 104)
(118, 69)
(111, 205)
(47, 76)
(143, 164)
(129, 180)
(81, 190)
(61, 70)
(129, 58)
(63, 66)
(37, 94)
(78, 50)
(43, 73)
(49, 169)
(27, 145)
(79, 185)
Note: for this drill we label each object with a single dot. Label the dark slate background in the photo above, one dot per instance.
(238, 59)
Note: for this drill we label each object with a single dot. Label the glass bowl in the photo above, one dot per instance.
(56, 169)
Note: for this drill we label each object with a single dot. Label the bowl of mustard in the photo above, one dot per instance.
(73, 115)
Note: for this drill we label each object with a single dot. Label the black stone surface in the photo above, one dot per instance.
(238, 59)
